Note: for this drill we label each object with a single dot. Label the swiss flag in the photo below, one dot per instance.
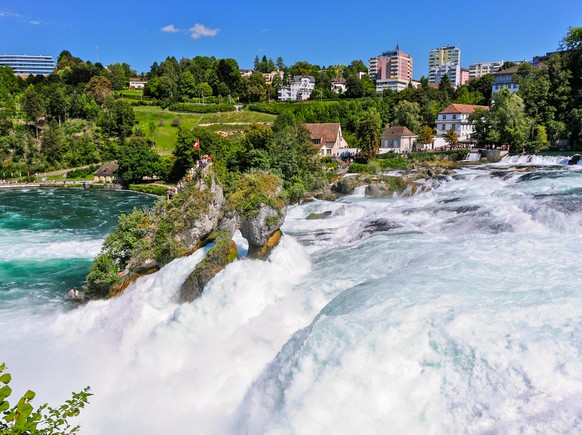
(197, 144)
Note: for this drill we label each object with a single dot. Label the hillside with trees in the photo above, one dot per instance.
(82, 114)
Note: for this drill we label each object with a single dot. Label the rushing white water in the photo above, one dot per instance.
(473, 157)
(454, 311)
(534, 160)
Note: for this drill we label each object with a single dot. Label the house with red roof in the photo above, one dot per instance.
(327, 138)
(456, 116)
(397, 139)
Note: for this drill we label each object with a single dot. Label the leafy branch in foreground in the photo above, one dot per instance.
(23, 419)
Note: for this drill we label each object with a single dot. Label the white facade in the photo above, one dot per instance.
(478, 70)
(456, 117)
(452, 71)
(25, 64)
(373, 67)
(300, 89)
(137, 83)
(441, 57)
(505, 80)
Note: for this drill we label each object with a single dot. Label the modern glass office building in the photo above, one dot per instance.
(25, 65)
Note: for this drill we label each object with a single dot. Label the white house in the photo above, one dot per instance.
(456, 116)
(299, 89)
(338, 86)
(505, 80)
(327, 138)
(398, 139)
(136, 83)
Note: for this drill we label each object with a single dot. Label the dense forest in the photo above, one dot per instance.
(79, 115)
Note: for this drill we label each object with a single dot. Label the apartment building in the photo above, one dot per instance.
(478, 70)
(391, 70)
(445, 60)
(25, 65)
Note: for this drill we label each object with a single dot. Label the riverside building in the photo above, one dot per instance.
(25, 65)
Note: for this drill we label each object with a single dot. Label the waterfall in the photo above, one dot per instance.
(473, 157)
(534, 160)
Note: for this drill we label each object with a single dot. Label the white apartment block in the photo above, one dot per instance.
(442, 59)
(478, 70)
(299, 89)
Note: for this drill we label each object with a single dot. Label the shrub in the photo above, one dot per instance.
(201, 108)
(358, 168)
(23, 419)
(101, 277)
(149, 189)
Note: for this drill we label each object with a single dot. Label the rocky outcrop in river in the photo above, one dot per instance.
(199, 214)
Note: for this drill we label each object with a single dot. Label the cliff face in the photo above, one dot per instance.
(197, 215)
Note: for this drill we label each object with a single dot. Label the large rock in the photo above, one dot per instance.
(258, 229)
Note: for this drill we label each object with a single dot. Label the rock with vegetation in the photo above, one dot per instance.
(144, 241)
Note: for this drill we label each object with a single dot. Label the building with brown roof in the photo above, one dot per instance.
(327, 138)
(505, 79)
(107, 173)
(398, 139)
(456, 116)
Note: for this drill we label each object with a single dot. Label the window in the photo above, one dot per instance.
(443, 127)
(454, 116)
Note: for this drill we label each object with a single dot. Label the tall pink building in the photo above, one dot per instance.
(392, 70)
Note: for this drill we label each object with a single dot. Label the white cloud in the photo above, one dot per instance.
(4, 13)
(201, 30)
(35, 22)
(170, 29)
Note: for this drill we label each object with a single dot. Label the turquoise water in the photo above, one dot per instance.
(48, 238)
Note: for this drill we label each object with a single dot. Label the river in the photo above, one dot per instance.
(458, 310)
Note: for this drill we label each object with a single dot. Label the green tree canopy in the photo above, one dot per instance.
(368, 133)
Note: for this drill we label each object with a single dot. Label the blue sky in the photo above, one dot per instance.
(321, 32)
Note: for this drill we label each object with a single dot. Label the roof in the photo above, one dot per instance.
(462, 108)
(108, 168)
(511, 70)
(326, 132)
(398, 131)
(298, 78)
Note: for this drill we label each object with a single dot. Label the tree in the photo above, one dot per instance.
(368, 133)
(53, 143)
(355, 88)
(116, 73)
(451, 137)
(426, 135)
(505, 123)
(137, 159)
(117, 118)
(22, 418)
(58, 102)
(34, 106)
(407, 113)
(446, 87)
(187, 85)
(99, 88)
(204, 90)
(280, 64)
(228, 72)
